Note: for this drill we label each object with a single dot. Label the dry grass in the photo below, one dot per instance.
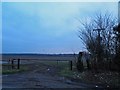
(105, 78)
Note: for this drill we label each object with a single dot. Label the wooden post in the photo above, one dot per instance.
(12, 63)
(18, 66)
(57, 62)
(9, 61)
(70, 65)
(9, 64)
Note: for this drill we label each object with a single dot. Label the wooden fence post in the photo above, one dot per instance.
(57, 62)
(12, 63)
(9, 64)
(70, 65)
(18, 66)
(9, 61)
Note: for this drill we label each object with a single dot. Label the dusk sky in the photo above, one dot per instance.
(43, 27)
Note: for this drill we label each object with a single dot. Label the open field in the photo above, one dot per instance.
(39, 73)
(26, 66)
(40, 56)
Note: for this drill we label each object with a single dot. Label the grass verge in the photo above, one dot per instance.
(6, 69)
(105, 78)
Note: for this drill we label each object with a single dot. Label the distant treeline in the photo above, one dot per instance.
(39, 54)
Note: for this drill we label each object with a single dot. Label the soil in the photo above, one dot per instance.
(40, 76)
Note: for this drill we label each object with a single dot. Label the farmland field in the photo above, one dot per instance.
(46, 71)
(40, 56)
(37, 72)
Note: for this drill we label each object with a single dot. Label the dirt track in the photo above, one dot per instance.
(38, 77)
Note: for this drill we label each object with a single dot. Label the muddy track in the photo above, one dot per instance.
(39, 76)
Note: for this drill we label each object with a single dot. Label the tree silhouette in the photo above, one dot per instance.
(117, 56)
(100, 44)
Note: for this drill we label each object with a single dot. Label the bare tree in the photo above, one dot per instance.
(100, 44)
(117, 43)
